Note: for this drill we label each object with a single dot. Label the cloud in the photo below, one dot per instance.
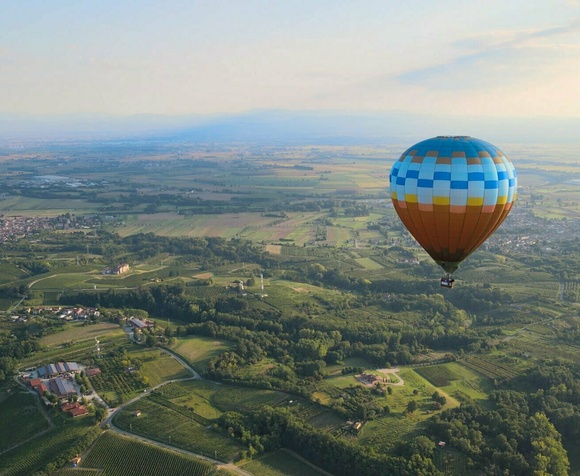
(503, 57)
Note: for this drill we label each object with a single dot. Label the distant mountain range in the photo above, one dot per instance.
(288, 127)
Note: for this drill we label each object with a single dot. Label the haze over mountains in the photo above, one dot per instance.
(288, 127)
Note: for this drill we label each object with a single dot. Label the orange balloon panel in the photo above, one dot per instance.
(452, 193)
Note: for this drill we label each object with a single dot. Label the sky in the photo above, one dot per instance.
(449, 57)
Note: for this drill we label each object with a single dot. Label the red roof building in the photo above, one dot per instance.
(75, 412)
(75, 409)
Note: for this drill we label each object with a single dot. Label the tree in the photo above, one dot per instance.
(412, 406)
(421, 445)
(438, 398)
(550, 457)
(100, 413)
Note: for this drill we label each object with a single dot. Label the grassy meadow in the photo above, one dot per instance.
(280, 463)
(199, 350)
(81, 331)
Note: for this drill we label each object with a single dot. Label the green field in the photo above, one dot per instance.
(459, 381)
(122, 456)
(438, 375)
(280, 463)
(78, 331)
(161, 367)
(384, 433)
(369, 263)
(21, 418)
(198, 350)
(131, 369)
(209, 399)
(70, 471)
(77, 351)
(35, 454)
(176, 426)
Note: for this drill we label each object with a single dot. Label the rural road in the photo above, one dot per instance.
(195, 376)
(400, 383)
(220, 464)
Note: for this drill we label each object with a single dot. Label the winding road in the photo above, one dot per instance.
(108, 422)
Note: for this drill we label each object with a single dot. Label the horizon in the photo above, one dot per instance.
(284, 126)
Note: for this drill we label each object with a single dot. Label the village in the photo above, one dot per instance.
(13, 228)
(59, 312)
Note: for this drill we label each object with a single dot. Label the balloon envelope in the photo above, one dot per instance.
(451, 193)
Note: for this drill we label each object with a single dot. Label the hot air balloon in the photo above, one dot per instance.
(452, 193)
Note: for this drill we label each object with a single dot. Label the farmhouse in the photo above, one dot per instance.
(141, 324)
(33, 382)
(368, 378)
(93, 372)
(60, 368)
(41, 389)
(62, 388)
(75, 409)
(119, 269)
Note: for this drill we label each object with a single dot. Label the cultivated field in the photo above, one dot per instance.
(80, 331)
(21, 419)
(159, 366)
(118, 455)
(280, 463)
(35, 454)
(178, 427)
(460, 381)
(199, 350)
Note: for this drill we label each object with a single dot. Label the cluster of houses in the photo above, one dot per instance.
(65, 313)
(16, 227)
(119, 269)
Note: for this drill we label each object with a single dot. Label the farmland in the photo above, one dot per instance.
(197, 350)
(131, 369)
(178, 427)
(344, 287)
(81, 331)
(119, 456)
(280, 463)
(21, 419)
(38, 452)
(209, 399)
